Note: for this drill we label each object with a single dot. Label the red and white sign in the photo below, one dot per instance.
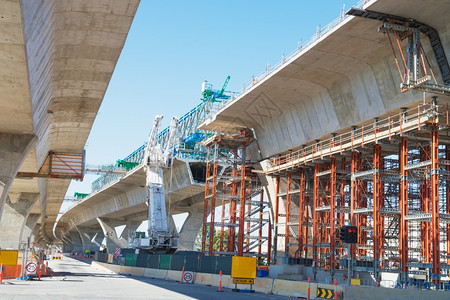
(31, 268)
(188, 277)
(117, 253)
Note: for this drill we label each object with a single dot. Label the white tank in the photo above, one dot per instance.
(204, 85)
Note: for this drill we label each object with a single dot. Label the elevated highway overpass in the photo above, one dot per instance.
(344, 80)
(345, 85)
(56, 58)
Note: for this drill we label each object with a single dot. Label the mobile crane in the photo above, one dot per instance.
(155, 160)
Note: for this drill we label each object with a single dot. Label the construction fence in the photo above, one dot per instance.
(194, 262)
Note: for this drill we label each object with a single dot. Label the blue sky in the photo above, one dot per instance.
(173, 46)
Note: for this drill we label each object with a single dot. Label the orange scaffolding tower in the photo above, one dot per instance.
(231, 180)
(391, 184)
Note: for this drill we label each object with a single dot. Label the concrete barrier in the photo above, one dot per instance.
(155, 273)
(207, 279)
(377, 293)
(173, 275)
(262, 285)
(284, 287)
(106, 267)
(281, 287)
(136, 271)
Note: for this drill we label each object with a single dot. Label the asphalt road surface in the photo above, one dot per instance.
(73, 279)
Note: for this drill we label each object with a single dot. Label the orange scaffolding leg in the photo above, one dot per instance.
(376, 212)
(213, 210)
(242, 213)
(288, 214)
(333, 216)
(233, 206)
(425, 207)
(205, 206)
(435, 201)
(277, 205)
(222, 227)
(354, 197)
(342, 202)
(403, 226)
(301, 214)
(315, 215)
(306, 229)
(361, 202)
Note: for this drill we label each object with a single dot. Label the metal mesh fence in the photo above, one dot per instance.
(164, 262)
(141, 260)
(191, 261)
(130, 259)
(208, 264)
(153, 261)
(224, 265)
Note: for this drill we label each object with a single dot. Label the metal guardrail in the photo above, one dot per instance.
(377, 129)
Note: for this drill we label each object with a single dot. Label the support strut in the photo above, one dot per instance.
(377, 242)
(403, 226)
(435, 201)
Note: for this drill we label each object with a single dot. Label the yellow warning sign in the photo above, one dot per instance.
(9, 257)
(355, 281)
(243, 281)
(243, 267)
(325, 293)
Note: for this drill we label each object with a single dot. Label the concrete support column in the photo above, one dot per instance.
(28, 228)
(130, 228)
(190, 229)
(67, 245)
(14, 148)
(171, 225)
(92, 238)
(270, 190)
(73, 242)
(15, 215)
(112, 241)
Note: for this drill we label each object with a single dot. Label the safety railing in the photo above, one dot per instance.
(407, 120)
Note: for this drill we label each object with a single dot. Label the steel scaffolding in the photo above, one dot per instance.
(229, 178)
(389, 178)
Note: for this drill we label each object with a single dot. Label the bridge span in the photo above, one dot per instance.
(56, 58)
(351, 128)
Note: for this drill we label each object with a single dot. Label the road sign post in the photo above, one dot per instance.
(31, 268)
(243, 271)
(326, 293)
(188, 277)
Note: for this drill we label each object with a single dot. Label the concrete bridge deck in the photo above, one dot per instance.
(344, 78)
(124, 202)
(56, 58)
